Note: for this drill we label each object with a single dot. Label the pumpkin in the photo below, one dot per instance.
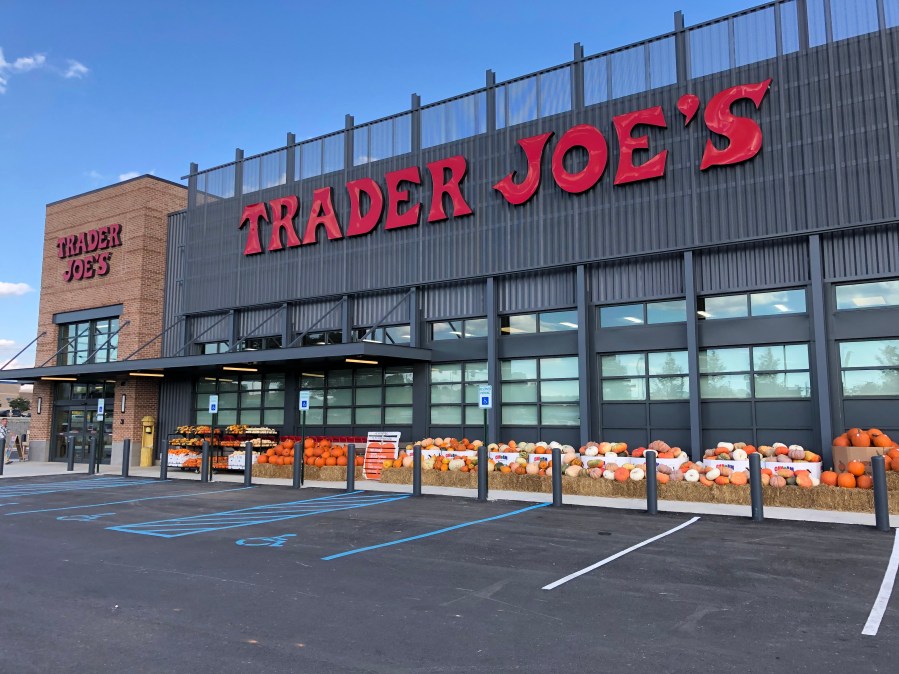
(864, 482)
(663, 478)
(740, 455)
(595, 473)
(456, 464)
(856, 468)
(532, 468)
(829, 478)
(659, 446)
(785, 473)
(703, 480)
(637, 474)
(804, 481)
(608, 474)
(263, 458)
(883, 441)
(722, 480)
(846, 480)
(712, 474)
(622, 474)
(841, 441)
(408, 461)
(591, 450)
(573, 471)
(727, 446)
(777, 481)
(893, 453)
(677, 476)
(739, 478)
(665, 470)
(692, 475)
(797, 454)
(861, 439)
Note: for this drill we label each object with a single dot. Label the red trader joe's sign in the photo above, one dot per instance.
(743, 136)
(88, 253)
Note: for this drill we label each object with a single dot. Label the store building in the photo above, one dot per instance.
(692, 238)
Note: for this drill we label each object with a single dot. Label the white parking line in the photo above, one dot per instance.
(886, 589)
(590, 568)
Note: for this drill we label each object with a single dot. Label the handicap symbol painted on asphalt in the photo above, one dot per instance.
(82, 518)
(265, 542)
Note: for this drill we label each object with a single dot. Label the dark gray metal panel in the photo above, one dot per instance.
(454, 350)
(453, 301)
(760, 330)
(372, 308)
(537, 290)
(672, 415)
(779, 414)
(259, 322)
(637, 279)
(865, 324)
(862, 253)
(624, 415)
(173, 300)
(671, 337)
(784, 263)
(113, 310)
(552, 344)
(206, 322)
(307, 314)
(727, 414)
(175, 408)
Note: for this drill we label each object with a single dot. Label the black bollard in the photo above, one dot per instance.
(298, 465)
(164, 464)
(126, 457)
(92, 455)
(652, 483)
(70, 452)
(881, 497)
(557, 476)
(247, 463)
(755, 487)
(416, 470)
(351, 467)
(482, 473)
(204, 462)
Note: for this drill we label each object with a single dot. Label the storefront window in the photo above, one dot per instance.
(650, 313)
(540, 391)
(77, 341)
(253, 400)
(774, 371)
(459, 329)
(371, 396)
(628, 377)
(393, 334)
(454, 393)
(544, 321)
(774, 303)
(870, 368)
(868, 295)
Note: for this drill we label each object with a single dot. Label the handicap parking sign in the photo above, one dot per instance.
(304, 401)
(485, 395)
(213, 404)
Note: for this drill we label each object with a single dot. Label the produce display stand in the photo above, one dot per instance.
(223, 443)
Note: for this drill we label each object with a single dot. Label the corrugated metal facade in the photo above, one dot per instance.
(784, 263)
(174, 281)
(637, 279)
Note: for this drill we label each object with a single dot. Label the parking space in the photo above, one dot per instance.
(221, 575)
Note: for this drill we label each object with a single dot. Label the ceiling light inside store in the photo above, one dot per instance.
(455, 332)
(633, 319)
(870, 301)
(704, 314)
(313, 374)
(240, 369)
(573, 326)
(59, 378)
(359, 360)
(511, 330)
(145, 374)
(781, 307)
(371, 341)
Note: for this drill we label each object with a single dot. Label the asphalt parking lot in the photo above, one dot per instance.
(105, 574)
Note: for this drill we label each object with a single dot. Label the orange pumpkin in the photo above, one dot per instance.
(829, 478)
(341, 461)
(288, 443)
(622, 474)
(860, 439)
(846, 480)
(662, 478)
(882, 441)
(804, 480)
(841, 441)
(865, 482)
(739, 478)
(308, 443)
(263, 458)
(856, 468)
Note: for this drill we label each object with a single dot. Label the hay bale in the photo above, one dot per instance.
(512, 482)
(325, 473)
(893, 481)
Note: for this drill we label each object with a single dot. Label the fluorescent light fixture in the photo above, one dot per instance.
(511, 330)
(313, 374)
(869, 301)
(124, 398)
(781, 307)
(40, 404)
(239, 369)
(633, 319)
(210, 378)
(371, 341)
(704, 314)
(455, 332)
(359, 360)
(573, 326)
(145, 374)
(59, 378)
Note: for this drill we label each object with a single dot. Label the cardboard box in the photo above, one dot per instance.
(814, 469)
(671, 463)
(537, 458)
(843, 455)
(507, 458)
(732, 464)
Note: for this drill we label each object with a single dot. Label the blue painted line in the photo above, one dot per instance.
(264, 514)
(432, 533)
(133, 500)
(79, 486)
(7, 504)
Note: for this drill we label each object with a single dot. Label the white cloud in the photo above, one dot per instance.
(128, 176)
(76, 70)
(93, 174)
(9, 289)
(6, 342)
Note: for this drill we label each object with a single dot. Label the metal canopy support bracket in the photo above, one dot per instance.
(258, 327)
(64, 346)
(346, 319)
(23, 350)
(108, 339)
(147, 343)
(189, 342)
(299, 338)
(383, 318)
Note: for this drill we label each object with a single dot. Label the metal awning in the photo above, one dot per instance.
(320, 356)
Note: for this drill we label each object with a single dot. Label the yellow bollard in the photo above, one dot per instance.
(147, 441)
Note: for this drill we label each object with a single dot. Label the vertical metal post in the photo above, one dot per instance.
(881, 497)
(248, 463)
(586, 362)
(416, 470)
(652, 484)
(70, 452)
(351, 467)
(299, 469)
(755, 487)
(482, 473)
(486, 441)
(693, 357)
(126, 456)
(164, 464)
(557, 476)
(91, 457)
(204, 463)
(298, 461)
(820, 347)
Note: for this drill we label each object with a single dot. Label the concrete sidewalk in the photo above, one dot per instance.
(38, 468)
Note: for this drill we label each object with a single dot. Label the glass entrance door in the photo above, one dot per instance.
(80, 422)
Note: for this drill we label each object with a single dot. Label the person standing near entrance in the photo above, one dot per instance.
(4, 433)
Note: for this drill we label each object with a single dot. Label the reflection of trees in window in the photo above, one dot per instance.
(667, 387)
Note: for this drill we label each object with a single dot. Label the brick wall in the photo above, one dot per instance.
(136, 280)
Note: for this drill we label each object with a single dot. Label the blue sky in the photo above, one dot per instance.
(94, 92)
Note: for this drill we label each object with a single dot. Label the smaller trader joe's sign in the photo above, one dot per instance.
(88, 252)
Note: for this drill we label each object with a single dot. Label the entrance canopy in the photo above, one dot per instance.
(323, 356)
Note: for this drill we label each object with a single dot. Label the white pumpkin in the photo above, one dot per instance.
(456, 464)
(637, 474)
(532, 469)
(779, 444)
(568, 458)
(572, 471)
(712, 473)
(692, 475)
(815, 481)
(740, 455)
(591, 450)
(568, 448)
(610, 456)
(726, 445)
(608, 474)
(796, 447)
